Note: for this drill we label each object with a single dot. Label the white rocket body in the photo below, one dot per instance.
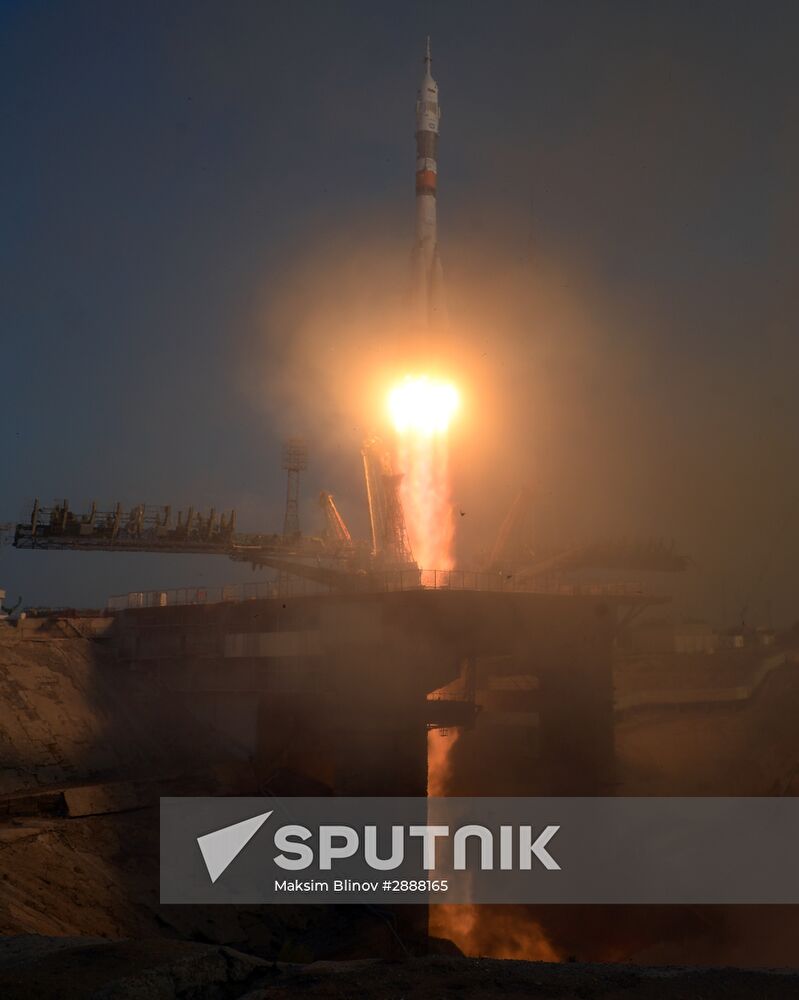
(427, 290)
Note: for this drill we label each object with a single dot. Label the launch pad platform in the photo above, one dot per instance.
(338, 687)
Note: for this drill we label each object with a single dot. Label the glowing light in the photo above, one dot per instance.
(421, 408)
(423, 404)
(498, 931)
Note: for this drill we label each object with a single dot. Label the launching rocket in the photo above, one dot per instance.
(427, 288)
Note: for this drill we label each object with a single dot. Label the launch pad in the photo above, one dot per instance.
(342, 688)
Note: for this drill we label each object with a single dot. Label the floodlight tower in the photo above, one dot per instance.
(295, 461)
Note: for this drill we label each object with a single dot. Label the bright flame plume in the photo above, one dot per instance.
(421, 409)
(423, 405)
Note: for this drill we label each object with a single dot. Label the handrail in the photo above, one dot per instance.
(382, 582)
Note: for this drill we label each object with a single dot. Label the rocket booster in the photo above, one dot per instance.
(427, 290)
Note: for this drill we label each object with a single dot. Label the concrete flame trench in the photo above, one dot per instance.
(335, 688)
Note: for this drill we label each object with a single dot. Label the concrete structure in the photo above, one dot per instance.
(673, 637)
(90, 742)
(335, 688)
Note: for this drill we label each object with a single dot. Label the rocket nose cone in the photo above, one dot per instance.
(427, 77)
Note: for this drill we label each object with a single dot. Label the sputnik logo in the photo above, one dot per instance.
(222, 847)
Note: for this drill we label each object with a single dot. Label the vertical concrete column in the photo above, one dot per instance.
(572, 657)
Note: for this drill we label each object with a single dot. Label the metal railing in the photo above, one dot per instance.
(192, 595)
(386, 581)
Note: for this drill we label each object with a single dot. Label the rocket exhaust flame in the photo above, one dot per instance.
(425, 492)
(423, 405)
(439, 767)
(421, 410)
(500, 932)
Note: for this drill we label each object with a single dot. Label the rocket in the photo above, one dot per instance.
(428, 309)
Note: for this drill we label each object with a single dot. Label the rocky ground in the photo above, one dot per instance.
(92, 969)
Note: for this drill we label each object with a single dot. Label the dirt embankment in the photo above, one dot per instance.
(70, 713)
(86, 748)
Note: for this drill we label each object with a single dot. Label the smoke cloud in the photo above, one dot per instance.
(624, 427)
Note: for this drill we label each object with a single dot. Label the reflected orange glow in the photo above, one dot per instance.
(439, 768)
(498, 932)
(421, 410)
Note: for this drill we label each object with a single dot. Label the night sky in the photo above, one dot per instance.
(166, 169)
